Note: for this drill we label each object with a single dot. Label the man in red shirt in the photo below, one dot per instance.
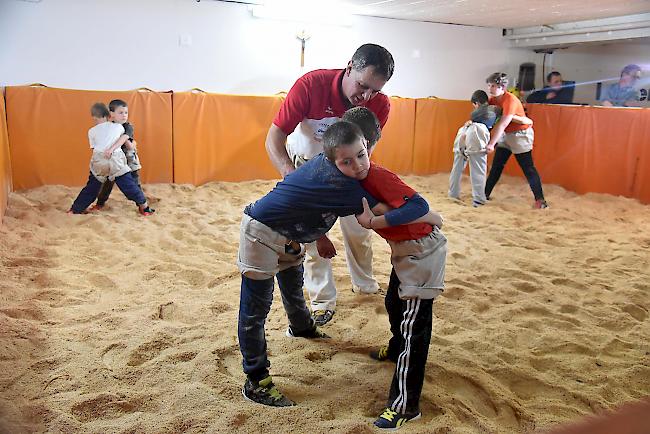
(317, 100)
(517, 139)
(418, 255)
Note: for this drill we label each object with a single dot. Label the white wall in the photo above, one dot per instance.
(125, 44)
(589, 63)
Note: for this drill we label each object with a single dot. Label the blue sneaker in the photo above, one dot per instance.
(264, 392)
(391, 420)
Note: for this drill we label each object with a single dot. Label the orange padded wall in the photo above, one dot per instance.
(592, 149)
(48, 133)
(395, 149)
(221, 137)
(436, 123)
(5, 162)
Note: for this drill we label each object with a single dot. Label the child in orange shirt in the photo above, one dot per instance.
(517, 139)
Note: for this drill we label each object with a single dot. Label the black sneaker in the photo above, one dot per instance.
(381, 355)
(391, 420)
(322, 317)
(264, 392)
(314, 333)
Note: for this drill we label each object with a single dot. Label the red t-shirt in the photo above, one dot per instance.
(510, 105)
(315, 100)
(388, 188)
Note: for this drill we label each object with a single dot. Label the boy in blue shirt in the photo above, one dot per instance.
(300, 209)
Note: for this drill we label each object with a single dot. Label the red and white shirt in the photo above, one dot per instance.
(388, 188)
(313, 104)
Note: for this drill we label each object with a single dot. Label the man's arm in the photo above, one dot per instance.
(276, 147)
(524, 120)
(632, 103)
(497, 131)
(119, 142)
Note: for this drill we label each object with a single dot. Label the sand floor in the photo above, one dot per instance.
(114, 323)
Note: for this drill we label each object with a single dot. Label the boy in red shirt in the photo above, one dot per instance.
(419, 252)
(512, 138)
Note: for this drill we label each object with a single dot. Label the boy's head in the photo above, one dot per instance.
(497, 83)
(486, 115)
(344, 145)
(99, 112)
(367, 122)
(479, 98)
(119, 111)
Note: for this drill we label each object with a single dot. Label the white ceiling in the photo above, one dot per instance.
(495, 13)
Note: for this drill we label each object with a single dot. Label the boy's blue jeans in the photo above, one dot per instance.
(254, 306)
(88, 194)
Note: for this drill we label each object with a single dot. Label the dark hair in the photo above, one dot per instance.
(116, 103)
(341, 133)
(498, 78)
(366, 120)
(374, 55)
(631, 69)
(551, 75)
(479, 97)
(99, 110)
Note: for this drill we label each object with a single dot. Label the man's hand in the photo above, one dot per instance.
(489, 148)
(366, 216)
(325, 247)
(551, 95)
(107, 153)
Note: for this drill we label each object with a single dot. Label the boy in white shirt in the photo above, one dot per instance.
(108, 162)
(119, 114)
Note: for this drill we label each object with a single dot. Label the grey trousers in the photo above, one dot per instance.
(477, 174)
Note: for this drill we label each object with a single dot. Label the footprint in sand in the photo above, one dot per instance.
(25, 312)
(509, 273)
(224, 278)
(166, 311)
(635, 311)
(567, 283)
(454, 293)
(480, 307)
(525, 286)
(148, 351)
(113, 355)
(181, 357)
(476, 400)
(569, 308)
(109, 406)
(194, 277)
(101, 282)
(529, 388)
(219, 308)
